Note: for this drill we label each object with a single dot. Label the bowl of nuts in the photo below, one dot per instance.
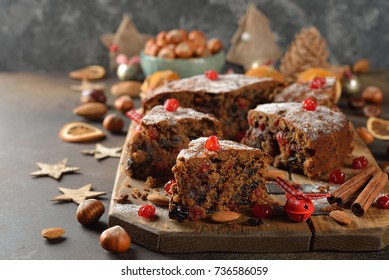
(186, 53)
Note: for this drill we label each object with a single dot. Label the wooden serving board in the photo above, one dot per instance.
(276, 234)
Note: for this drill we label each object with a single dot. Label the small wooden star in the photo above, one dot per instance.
(55, 171)
(102, 152)
(77, 195)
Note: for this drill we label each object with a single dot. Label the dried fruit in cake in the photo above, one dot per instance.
(309, 142)
(162, 134)
(379, 128)
(208, 181)
(158, 79)
(228, 98)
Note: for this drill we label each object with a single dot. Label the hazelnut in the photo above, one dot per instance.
(202, 51)
(365, 135)
(149, 43)
(152, 49)
(89, 211)
(372, 110)
(184, 50)
(195, 34)
(161, 36)
(92, 95)
(113, 123)
(373, 94)
(115, 240)
(124, 103)
(361, 66)
(166, 52)
(214, 45)
(174, 37)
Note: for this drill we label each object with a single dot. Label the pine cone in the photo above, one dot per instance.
(306, 51)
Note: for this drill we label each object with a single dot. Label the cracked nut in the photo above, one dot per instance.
(115, 240)
(89, 211)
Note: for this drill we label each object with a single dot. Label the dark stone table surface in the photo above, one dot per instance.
(33, 108)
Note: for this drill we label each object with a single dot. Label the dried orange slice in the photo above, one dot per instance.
(379, 128)
(158, 79)
(80, 132)
(93, 72)
(266, 71)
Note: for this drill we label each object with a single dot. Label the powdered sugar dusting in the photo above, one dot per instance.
(314, 124)
(200, 83)
(196, 148)
(159, 114)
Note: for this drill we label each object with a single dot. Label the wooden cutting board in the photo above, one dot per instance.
(276, 234)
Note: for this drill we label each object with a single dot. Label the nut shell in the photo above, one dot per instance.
(113, 123)
(90, 211)
(115, 240)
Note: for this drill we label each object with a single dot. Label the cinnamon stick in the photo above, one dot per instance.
(369, 193)
(349, 187)
(272, 174)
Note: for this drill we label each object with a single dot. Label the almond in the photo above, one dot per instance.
(130, 88)
(52, 233)
(340, 217)
(92, 110)
(224, 216)
(158, 199)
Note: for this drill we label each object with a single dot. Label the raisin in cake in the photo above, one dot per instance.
(211, 180)
(228, 98)
(160, 137)
(326, 94)
(308, 142)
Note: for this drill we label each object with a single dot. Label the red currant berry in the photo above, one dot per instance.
(317, 82)
(171, 105)
(360, 162)
(262, 211)
(281, 138)
(337, 177)
(211, 75)
(146, 211)
(169, 185)
(212, 143)
(383, 202)
(310, 104)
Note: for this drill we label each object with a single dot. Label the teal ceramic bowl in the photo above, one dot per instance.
(183, 67)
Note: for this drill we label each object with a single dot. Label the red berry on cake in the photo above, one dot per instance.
(317, 82)
(310, 104)
(337, 177)
(360, 162)
(212, 143)
(171, 105)
(169, 185)
(146, 211)
(211, 75)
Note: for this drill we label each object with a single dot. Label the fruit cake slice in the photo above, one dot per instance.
(309, 142)
(324, 90)
(161, 135)
(213, 175)
(227, 97)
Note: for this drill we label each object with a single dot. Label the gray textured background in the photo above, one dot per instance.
(43, 35)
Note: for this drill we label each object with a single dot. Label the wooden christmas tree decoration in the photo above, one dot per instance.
(103, 152)
(77, 195)
(253, 40)
(308, 50)
(127, 40)
(55, 171)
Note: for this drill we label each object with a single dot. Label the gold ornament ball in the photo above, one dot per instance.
(126, 72)
(351, 85)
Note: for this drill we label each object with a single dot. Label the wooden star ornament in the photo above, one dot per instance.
(102, 152)
(77, 195)
(55, 171)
